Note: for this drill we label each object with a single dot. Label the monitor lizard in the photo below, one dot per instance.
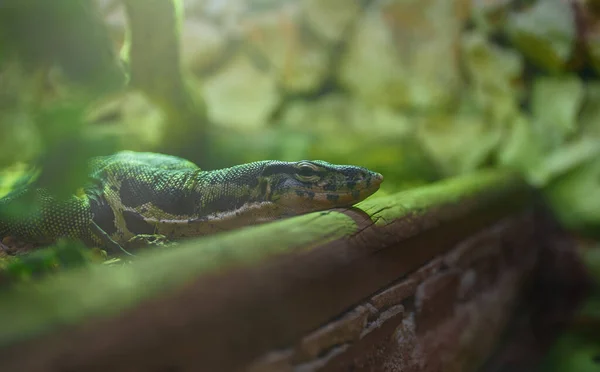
(132, 194)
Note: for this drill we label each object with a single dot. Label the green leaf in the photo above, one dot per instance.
(545, 33)
(575, 198)
(564, 159)
(555, 104)
(590, 113)
(522, 149)
(574, 352)
(461, 144)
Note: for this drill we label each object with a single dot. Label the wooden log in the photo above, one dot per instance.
(272, 297)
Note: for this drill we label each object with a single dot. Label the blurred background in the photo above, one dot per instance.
(418, 90)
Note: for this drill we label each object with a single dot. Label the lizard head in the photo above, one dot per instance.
(306, 186)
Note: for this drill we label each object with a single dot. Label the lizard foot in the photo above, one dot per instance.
(144, 240)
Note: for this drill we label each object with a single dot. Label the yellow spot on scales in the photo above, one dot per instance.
(80, 193)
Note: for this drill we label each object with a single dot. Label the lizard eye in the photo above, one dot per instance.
(306, 172)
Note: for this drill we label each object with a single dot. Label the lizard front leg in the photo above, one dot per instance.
(145, 240)
(106, 240)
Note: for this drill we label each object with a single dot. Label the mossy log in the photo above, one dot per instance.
(419, 279)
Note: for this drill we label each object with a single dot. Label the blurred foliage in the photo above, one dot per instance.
(153, 52)
(575, 197)
(544, 32)
(56, 58)
(578, 349)
(63, 255)
(574, 351)
(69, 35)
(65, 135)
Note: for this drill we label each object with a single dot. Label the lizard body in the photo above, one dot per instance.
(133, 193)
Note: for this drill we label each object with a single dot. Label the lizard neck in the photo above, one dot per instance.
(229, 191)
(180, 203)
(222, 200)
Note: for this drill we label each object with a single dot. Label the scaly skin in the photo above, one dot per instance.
(132, 194)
